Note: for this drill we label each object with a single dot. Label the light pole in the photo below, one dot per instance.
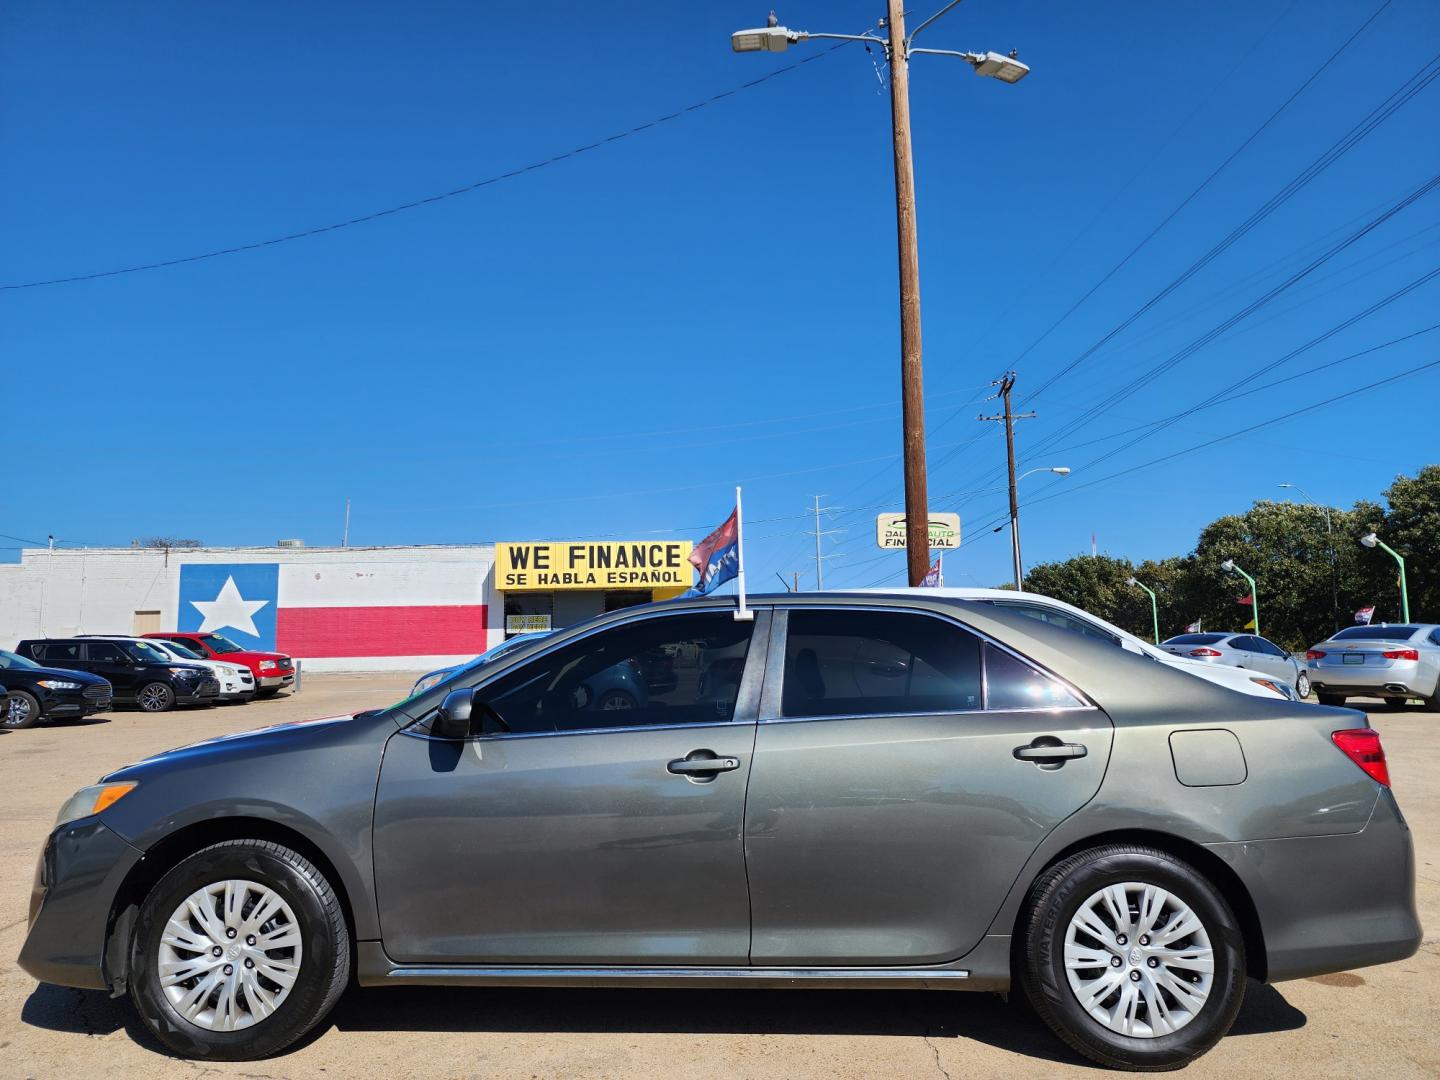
(1154, 606)
(898, 50)
(1370, 540)
(1058, 470)
(1334, 568)
(1230, 568)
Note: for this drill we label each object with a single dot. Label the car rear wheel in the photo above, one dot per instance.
(1331, 699)
(20, 710)
(239, 951)
(155, 697)
(1132, 957)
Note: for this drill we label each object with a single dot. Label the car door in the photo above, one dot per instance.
(895, 792)
(1273, 660)
(603, 827)
(109, 661)
(1245, 653)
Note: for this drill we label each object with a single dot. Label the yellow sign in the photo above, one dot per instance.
(650, 564)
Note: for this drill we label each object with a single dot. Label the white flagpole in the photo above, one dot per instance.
(742, 613)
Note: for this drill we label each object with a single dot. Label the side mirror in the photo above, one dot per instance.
(452, 719)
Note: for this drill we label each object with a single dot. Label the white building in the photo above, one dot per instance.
(337, 609)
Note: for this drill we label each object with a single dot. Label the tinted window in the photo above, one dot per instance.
(104, 652)
(11, 660)
(57, 650)
(1195, 639)
(1245, 643)
(1376, 633)
(867, 663)
(182, 649)
(1268, 647)
(1010, 683)
(1062, 619)
(682, 669)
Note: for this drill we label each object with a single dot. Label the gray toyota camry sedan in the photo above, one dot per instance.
(857, 790)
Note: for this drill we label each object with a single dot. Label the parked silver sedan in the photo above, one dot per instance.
(1248, 651)
(1393, 662)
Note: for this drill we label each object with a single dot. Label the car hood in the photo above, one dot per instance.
(84, 678)
(261, 742)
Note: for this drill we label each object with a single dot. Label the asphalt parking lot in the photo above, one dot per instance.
(1376, 1021)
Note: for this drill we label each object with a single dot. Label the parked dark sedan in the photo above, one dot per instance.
(139, 673)
(34, 693)
(898, 791)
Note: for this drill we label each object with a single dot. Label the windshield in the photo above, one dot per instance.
(1376, 633)
(10, 660)
(1195, 639)
(146, 653)
(220, 644)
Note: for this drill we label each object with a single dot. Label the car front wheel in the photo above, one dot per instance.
(1133, 958)
(155, 697)
(1302, 686)
(238, 951)
(19, 710)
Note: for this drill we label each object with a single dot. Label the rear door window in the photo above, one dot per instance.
(52, 651)
(103, 652)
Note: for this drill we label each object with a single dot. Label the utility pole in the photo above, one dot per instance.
(912, 385)
(345, 536)
(818, 533)
(1008, 417)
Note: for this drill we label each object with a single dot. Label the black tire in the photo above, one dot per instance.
(1302, 686)
(267, 692)
(1057, 896)
(1432, 703)
(20, 710)
(1331, 699)
(325, 950)
(155, 697)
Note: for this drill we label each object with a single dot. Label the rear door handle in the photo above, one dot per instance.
(1050, 750)
(702, 766)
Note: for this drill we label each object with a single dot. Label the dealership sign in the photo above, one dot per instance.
(628, 565)
(944, 531)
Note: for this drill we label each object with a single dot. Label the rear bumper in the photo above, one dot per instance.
(81, 869)
(1369, 679)
(1332, 903)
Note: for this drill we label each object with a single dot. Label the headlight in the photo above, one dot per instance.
(92, 799)
(427, 682)
(57, 684)
(185, 672)
(267, 665)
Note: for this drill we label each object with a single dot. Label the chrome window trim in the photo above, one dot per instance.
(772, 713)
(746, 699)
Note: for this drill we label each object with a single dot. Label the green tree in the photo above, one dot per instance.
(1411, 527)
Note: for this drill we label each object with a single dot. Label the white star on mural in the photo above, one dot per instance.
(229, 609)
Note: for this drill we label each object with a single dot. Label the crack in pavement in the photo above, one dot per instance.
(936, 1051)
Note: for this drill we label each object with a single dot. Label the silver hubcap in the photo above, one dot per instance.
(152, 698)
(230, 955)
(17, 710)
(1303, 686)
(612, 702)
(1139, 960)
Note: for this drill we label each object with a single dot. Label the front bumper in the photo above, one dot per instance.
(202, 692)
(83, 702)
(268, 682)
(81, 869)
(1365, 912)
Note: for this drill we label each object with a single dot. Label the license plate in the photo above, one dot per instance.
(1353, 658)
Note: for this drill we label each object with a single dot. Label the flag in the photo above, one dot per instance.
(1247, 600)
(936, 576)
(289, 608)
(717, 557)
(1249, 625)
(1364, 615)
(1193, 628)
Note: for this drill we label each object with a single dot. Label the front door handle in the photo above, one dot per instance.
(1050, 751)
(702, 763)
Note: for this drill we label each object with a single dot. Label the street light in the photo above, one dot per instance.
(1370, 540)
(1058, 470)
(898, 49)
(1334, 564)
(1154, 607)
(1230, 568)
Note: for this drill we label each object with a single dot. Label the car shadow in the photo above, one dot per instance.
(984, 1018)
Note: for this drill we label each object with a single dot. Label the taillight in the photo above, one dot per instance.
(1313, 654)
(1204, 652)
(1401, 654)
(1362, 746)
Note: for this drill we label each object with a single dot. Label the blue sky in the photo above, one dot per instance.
(605, 346)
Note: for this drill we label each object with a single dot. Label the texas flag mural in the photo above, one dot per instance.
(310, 610)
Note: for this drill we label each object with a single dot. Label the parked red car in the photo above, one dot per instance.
(273, 671)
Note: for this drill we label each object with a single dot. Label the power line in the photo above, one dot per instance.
(427, 200)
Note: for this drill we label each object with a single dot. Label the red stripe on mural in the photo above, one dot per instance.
(439, 630)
